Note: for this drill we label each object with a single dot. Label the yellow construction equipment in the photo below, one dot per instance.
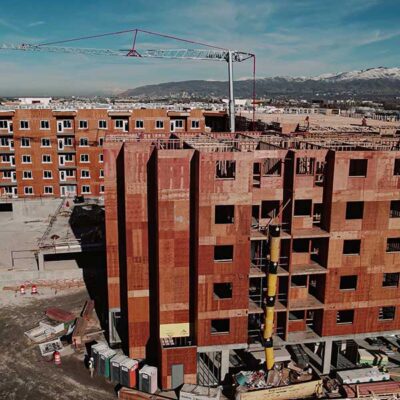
(272, 264)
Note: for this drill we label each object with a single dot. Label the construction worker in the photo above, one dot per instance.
(91, 366)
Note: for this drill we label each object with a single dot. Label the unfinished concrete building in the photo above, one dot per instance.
(187, 219)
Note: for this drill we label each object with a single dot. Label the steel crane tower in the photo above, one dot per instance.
(210, 53)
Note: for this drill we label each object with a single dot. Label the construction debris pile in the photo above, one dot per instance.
(279, 376)
(63, 332)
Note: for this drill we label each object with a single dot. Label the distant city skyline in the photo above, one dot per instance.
(289, 37)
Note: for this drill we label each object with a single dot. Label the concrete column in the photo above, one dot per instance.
(326, 364)
(224, 363)
(40, 261)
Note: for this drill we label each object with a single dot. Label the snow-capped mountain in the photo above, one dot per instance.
(378, 82)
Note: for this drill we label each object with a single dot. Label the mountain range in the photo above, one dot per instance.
(378, 82)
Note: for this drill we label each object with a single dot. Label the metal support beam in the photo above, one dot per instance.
(231, 96)
(326, 364)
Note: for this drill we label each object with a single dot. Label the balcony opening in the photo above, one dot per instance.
(255, 216)
(393, 245)
(219, 326)
(348, 282)
(302, 208)
(224, 214)
(391, 279)
(269, 209)
(225, 169)
(272, 166)
(317, 214)
(358, 167)
(354, 209)
(396, 167)
(305, 166)
(298, 281)
(344, 317)
(301, 245)
(222, 291)
(387, 313)
(394, 209)
(351, 247)
(223, 253)
(256, 174)
(296, 315)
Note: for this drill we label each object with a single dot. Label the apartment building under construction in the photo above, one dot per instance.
(187, 220)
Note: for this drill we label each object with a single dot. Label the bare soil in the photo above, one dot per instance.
(24, 373)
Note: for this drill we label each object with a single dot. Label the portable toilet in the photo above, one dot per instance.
(128, 371)
(148, 379)
(95, 349)
(105, 356)
(116, 366)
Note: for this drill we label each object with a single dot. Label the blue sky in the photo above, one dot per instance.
(289, 37)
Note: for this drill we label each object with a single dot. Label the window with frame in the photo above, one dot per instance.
(69, 173)
(85, 173)
(47, 174)
(101, 141)
(159, 124)
(224, 214)
(25, 142)
(195, 124)
(139, 124)
(26, 159)
(101, 188)
(86, 189)
(48, 190)
(67, 123)
(119, 124)
(46, 158)
(84, 158)
(68, 142)
(83, 142)
(69, 157)
(46, 142)
(7, 174)
(101, 173)
(44, 124)
(3, 124)
(394, 211)
(101, 158)
(28, 190)
(179, 123)
(102, 124)
(387, 313)
(6, 158)
(27, 175)
(83, 124)
(24, 124)
(4, 142)
(390, 279)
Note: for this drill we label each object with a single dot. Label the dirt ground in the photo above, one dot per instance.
(24, 373)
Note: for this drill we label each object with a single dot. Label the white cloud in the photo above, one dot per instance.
(35, 23)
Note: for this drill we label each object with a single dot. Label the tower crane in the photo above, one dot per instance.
(209, 53)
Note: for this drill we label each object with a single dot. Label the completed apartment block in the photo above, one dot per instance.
(47, 152)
